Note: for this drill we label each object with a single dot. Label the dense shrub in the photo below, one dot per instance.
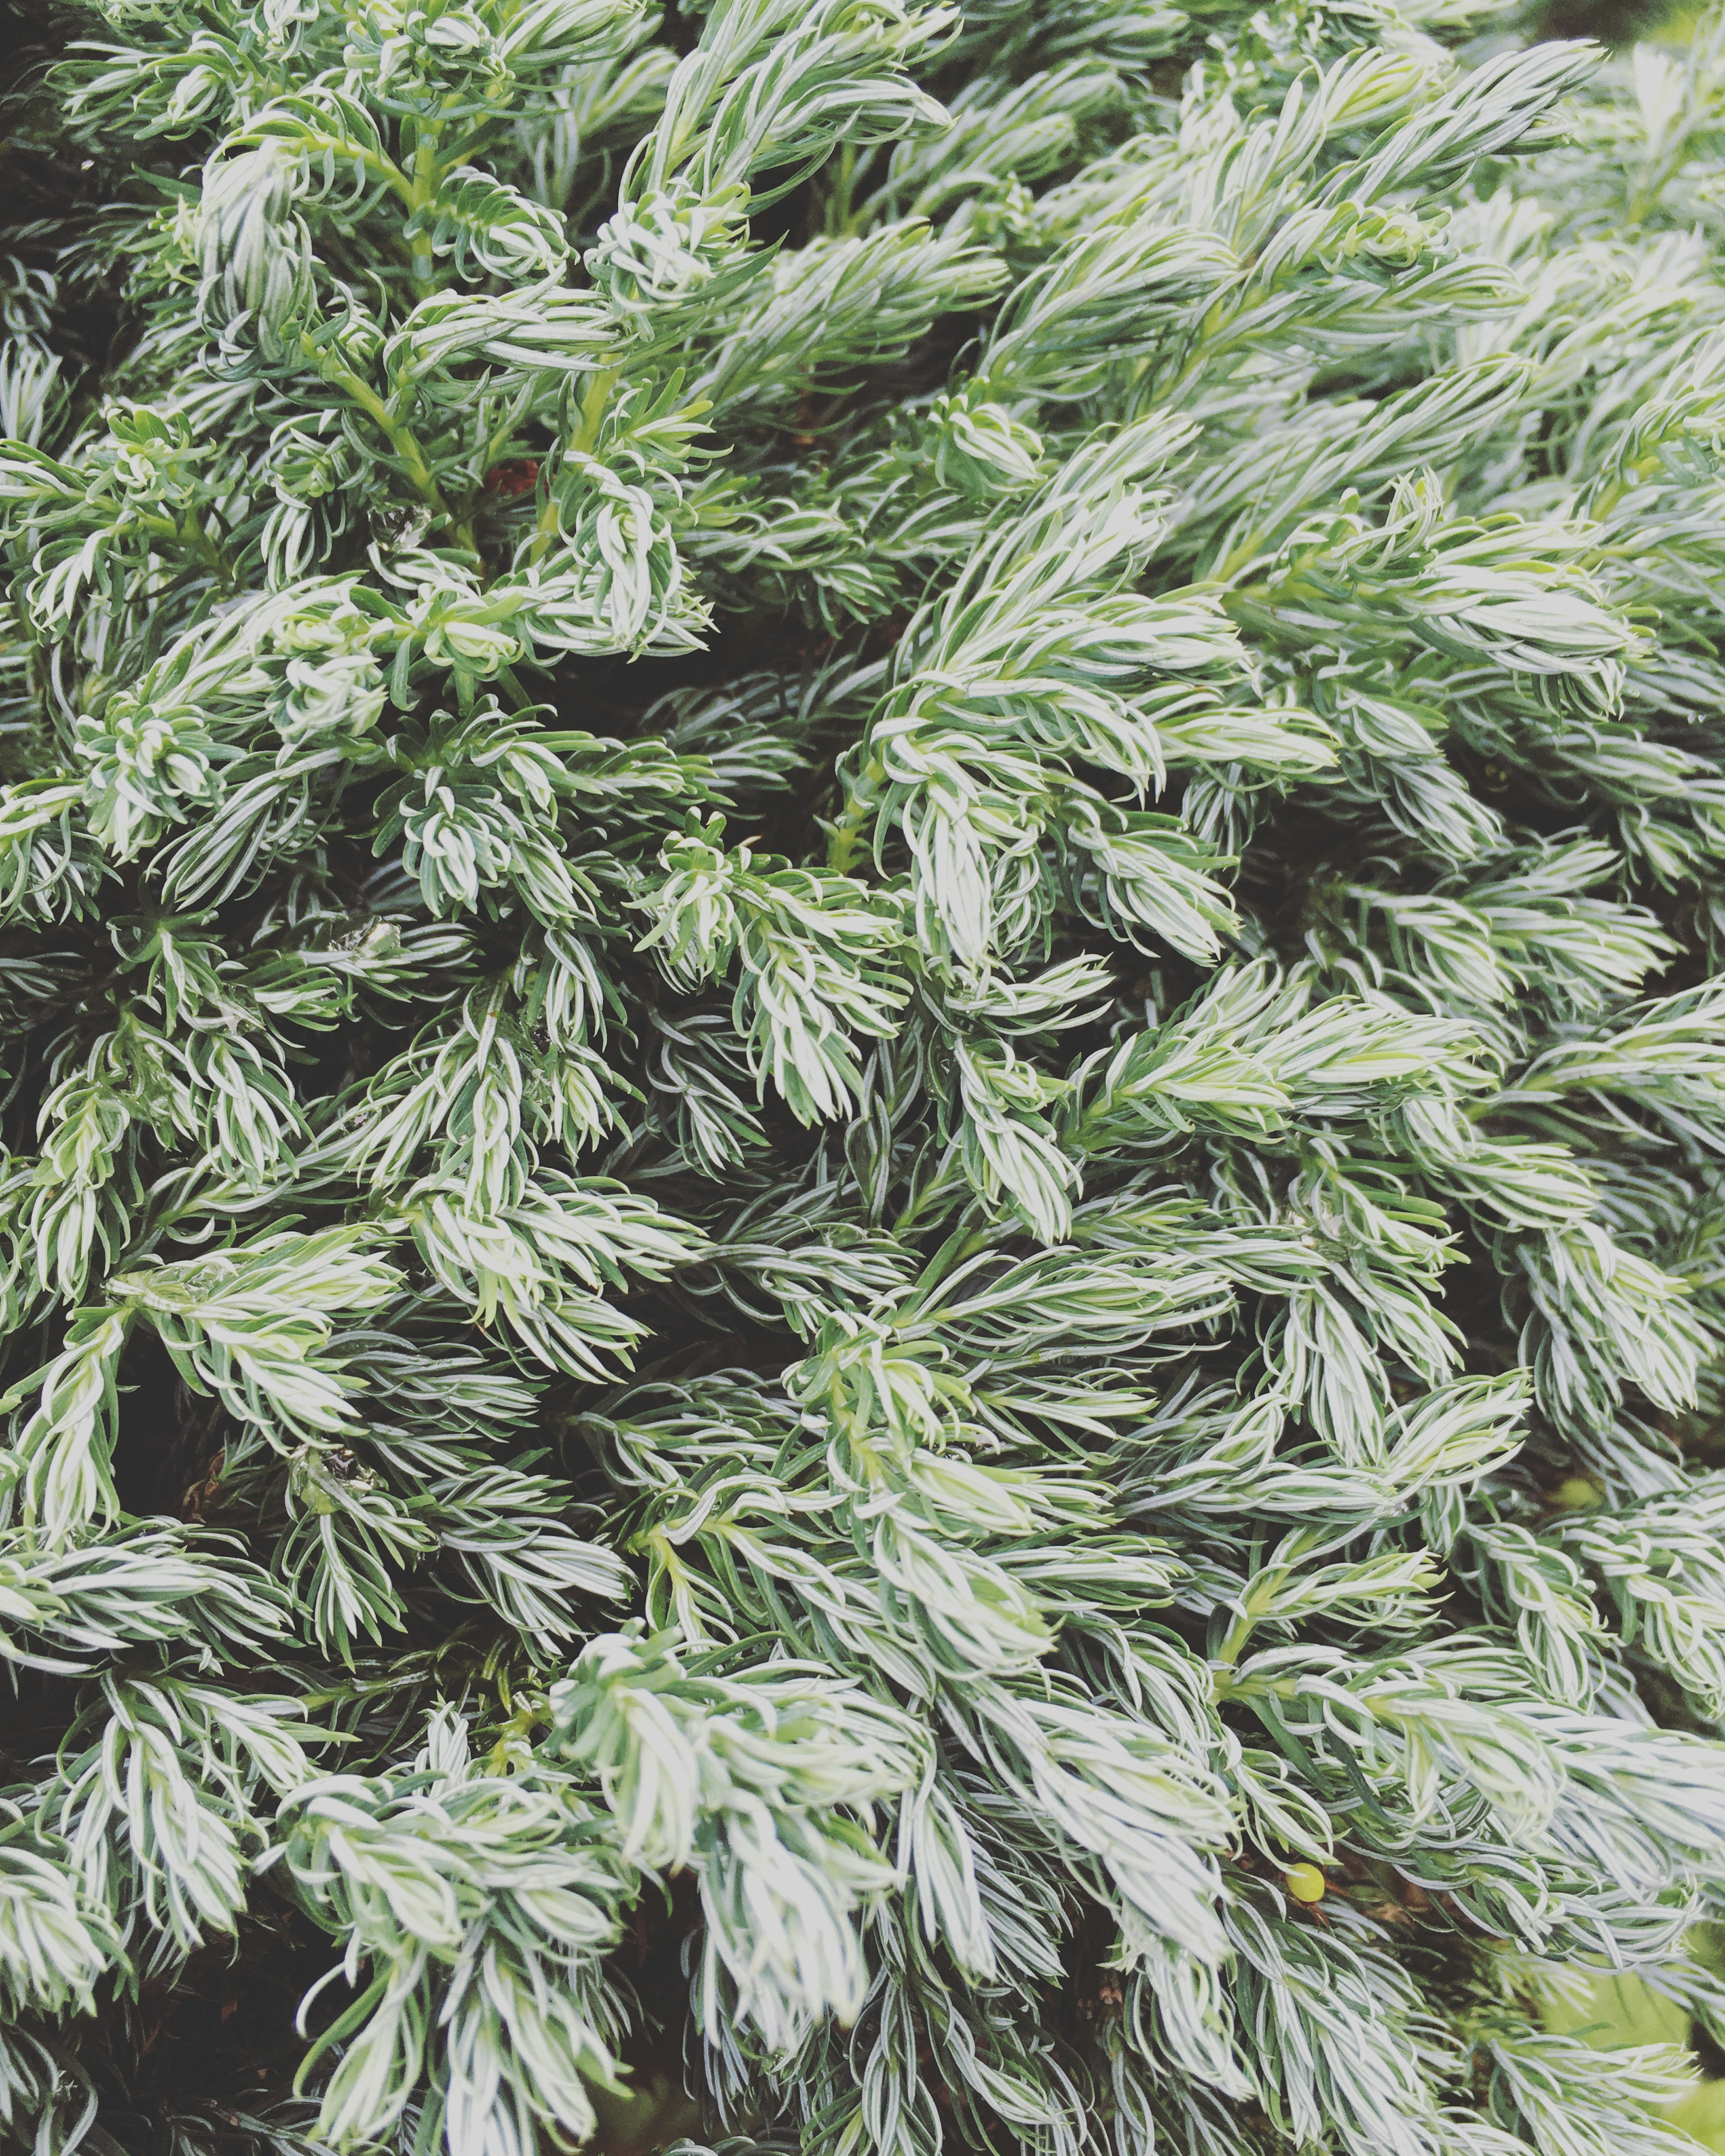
(862, 1220)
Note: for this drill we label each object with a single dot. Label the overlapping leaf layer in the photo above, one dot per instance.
(862, 1212)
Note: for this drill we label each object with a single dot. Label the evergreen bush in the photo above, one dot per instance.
(863, 1229)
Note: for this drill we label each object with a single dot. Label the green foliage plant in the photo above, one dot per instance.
(862, 867)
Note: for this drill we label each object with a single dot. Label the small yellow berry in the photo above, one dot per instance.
(1304, 1882)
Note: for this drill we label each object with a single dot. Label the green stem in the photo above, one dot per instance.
(592, 409)
(1233, 1640)
(841, 215)
(581, 443)
(402, 439)
(195, 535)
(844, 834)
(427, 178)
